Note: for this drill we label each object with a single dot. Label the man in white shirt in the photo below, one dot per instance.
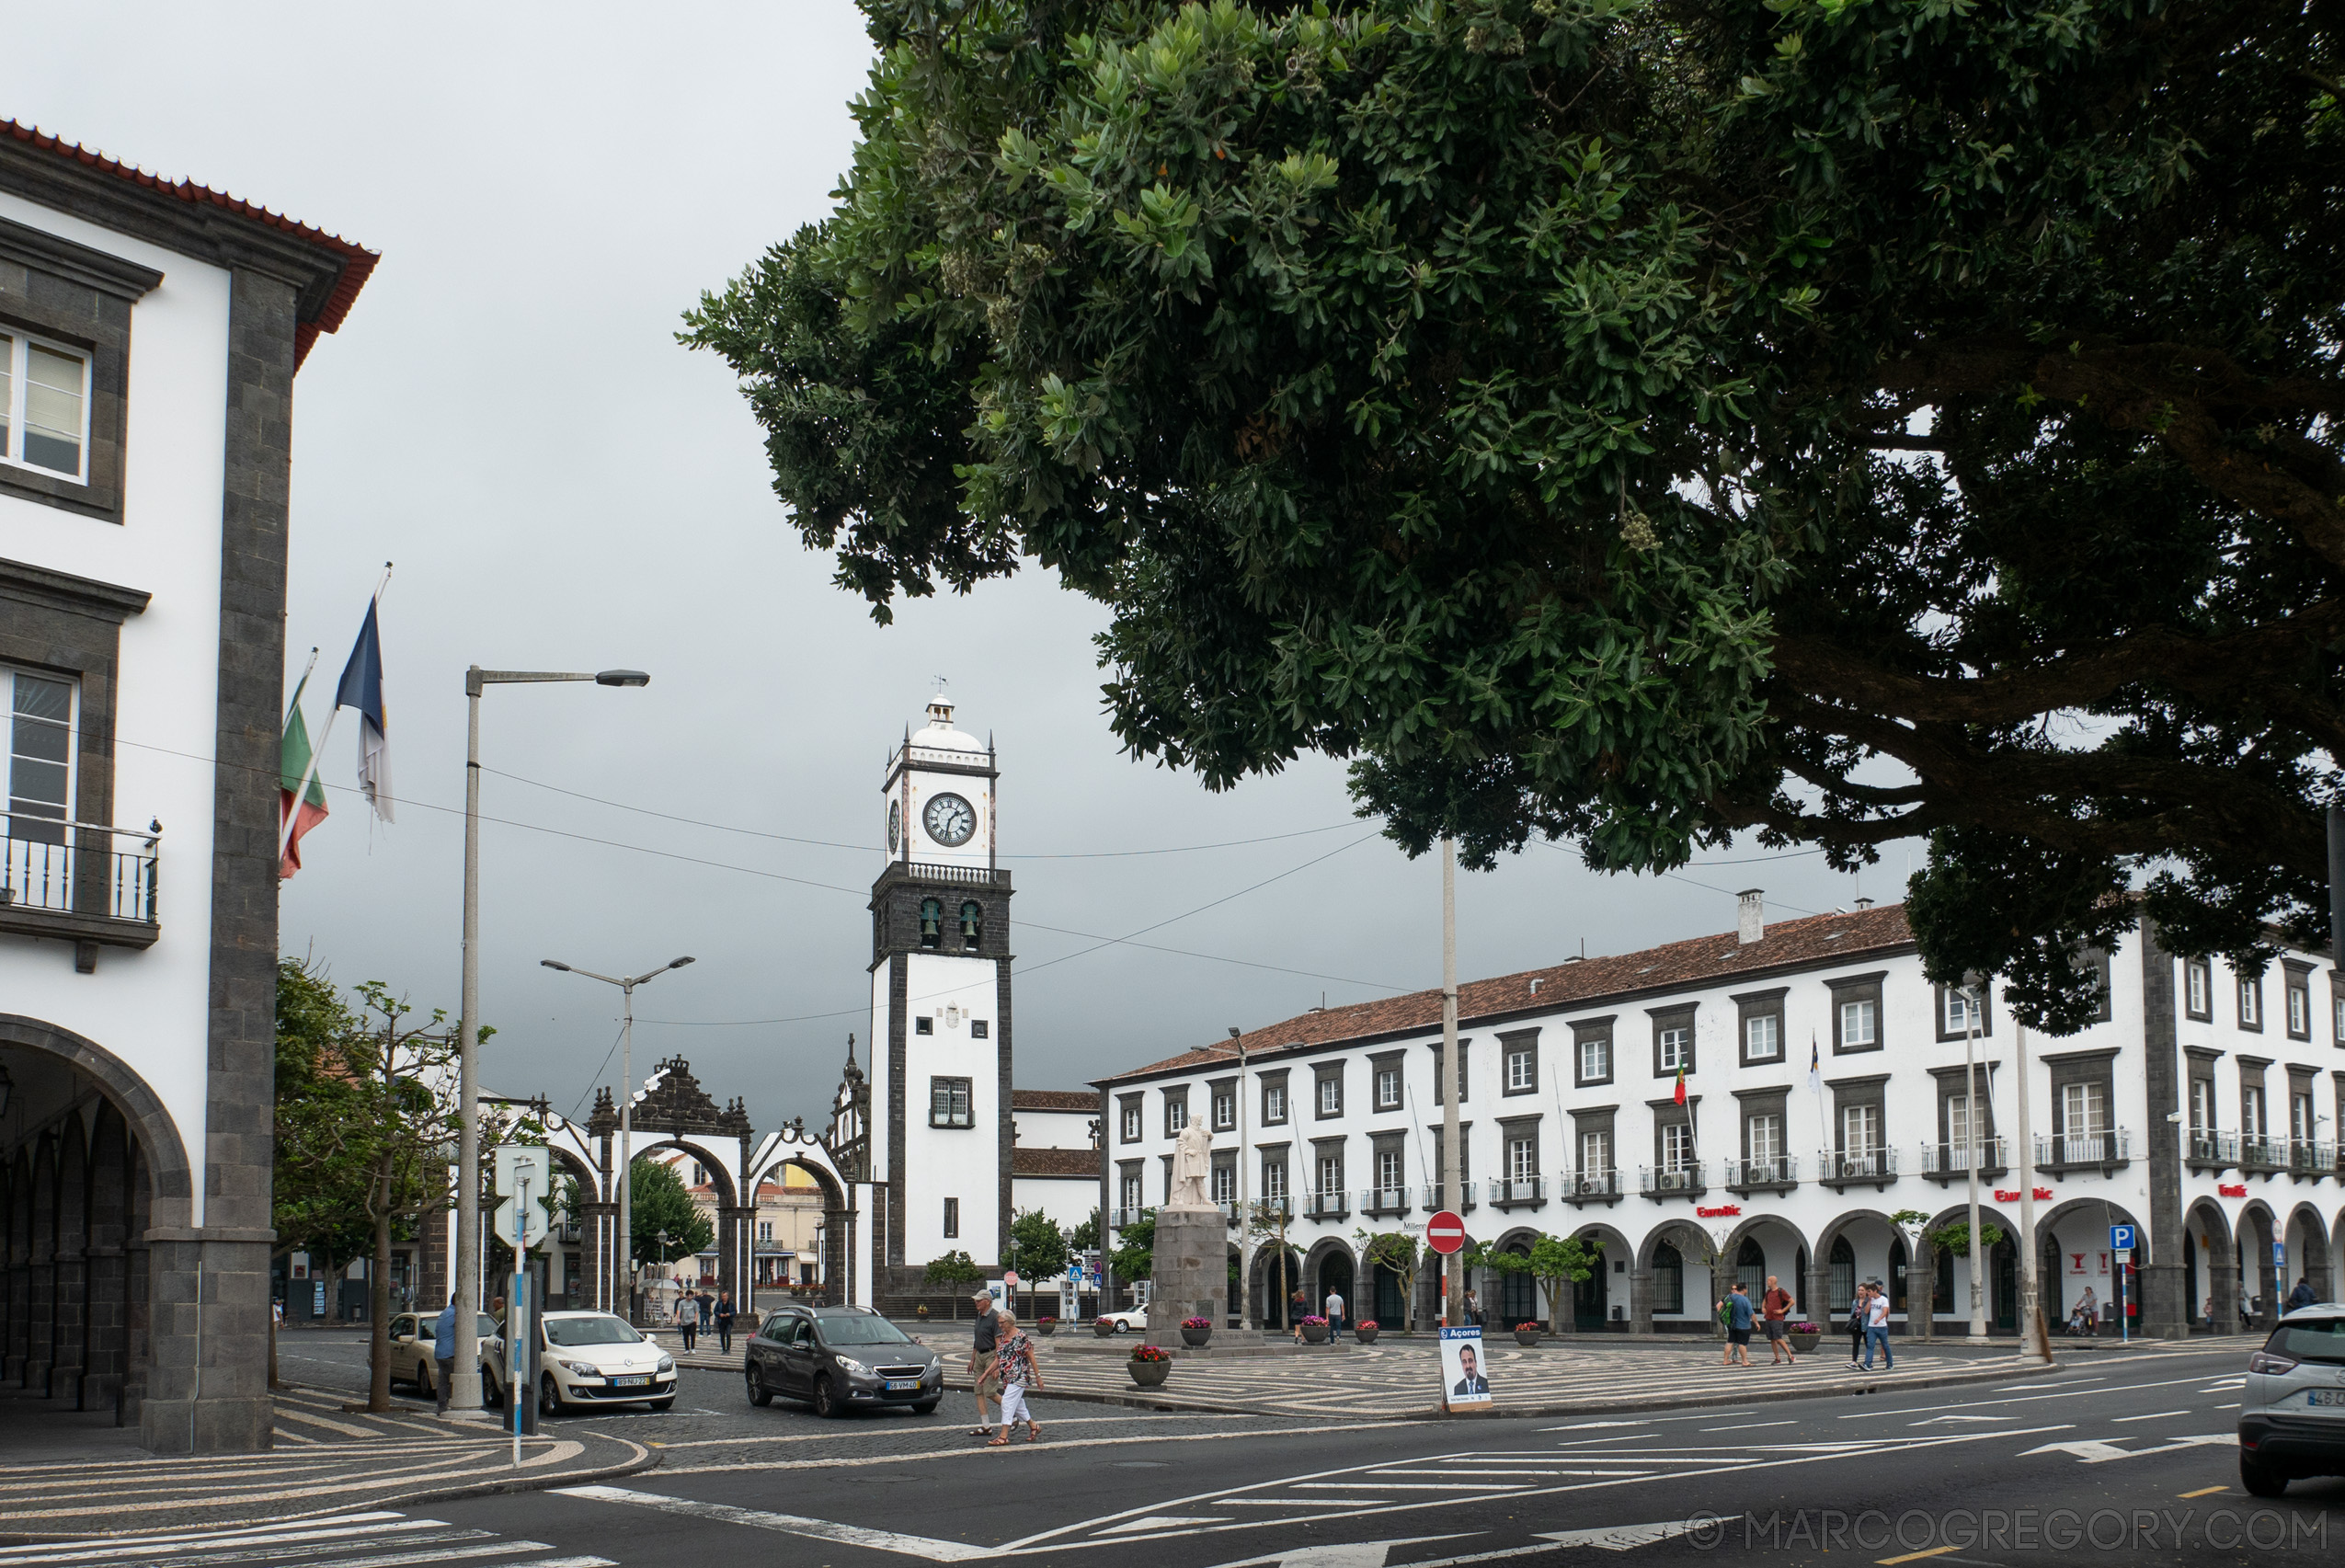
(1335, 1316)
(1877, 1330)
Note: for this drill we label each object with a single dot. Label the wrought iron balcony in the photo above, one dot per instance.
(1590, 1186)
(1327, 1206)
(2206, 1147)
(2257, 1152)
(79, 882)
(1780, 1173)
(2309, 1157)
(1518, 1192)
(1385, 1200)
(1124, 1217)
(1274, 1208)
(1465, 1197)
(1952, 1162)
(1839, 1169)
(2102, 1150)
(1674, 1181)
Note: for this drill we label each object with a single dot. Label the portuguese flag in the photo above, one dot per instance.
(295, 768)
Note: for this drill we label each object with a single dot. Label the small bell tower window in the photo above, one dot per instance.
(931, 921)
(972, 923)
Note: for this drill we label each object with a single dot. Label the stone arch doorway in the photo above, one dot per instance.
(1600, 1302)
(2259, 1287)
(1272, 1290)
(790, 1148)
(1331, 1271)
(2212, 1282)
(2307, 1243)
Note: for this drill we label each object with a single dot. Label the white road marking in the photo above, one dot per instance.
(1509, 1470)
(263, 1535)
(787, 1524)
(1623, 1537)
(2157, 1416)
(1342, 1554)
(2095, 1452)
(1751, 1426)
(1937, 1420)
(2226, 1407)
(1153, 1520)
(402, 1560)
(1494, 1489)
(2024, 1398)
(1287, 1502)
(2064, 1382)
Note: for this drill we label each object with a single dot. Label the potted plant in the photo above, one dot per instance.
(923, 1310)
(1046, 1326)
(1527, 1333)
(1364, 1331)
(1314, 1329)
(1194, 1332)
(1148, 1365)
(1804, 1336)
(1103, 1327)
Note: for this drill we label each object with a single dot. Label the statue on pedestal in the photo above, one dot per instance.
(1192, 1164)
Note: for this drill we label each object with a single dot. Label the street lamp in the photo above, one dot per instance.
(626, 984)
(464, 1383)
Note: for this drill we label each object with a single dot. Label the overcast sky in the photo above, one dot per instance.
(507, 415)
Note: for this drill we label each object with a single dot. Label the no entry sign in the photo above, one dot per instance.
(1444, 1232)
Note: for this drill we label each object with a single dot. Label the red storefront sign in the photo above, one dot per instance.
(1723, 1212)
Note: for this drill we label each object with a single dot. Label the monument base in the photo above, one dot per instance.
(1192, 1272)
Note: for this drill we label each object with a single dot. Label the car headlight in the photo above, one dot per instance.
(852, 1365)
(666, 1363)
(582, 1369)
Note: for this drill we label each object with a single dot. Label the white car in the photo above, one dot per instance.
(411, 1354)
(2292, 1413)
(1131, 1320)
(595, 1358)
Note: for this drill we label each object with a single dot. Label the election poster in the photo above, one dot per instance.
(1464, 1378)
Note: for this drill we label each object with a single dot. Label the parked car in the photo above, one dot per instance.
(2292, 1413)
(597, 1358)
(413, 1355)
(1131, 1320)
(838, 1357)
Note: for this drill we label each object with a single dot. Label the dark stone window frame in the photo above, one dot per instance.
(1951, 1081)
(1269, 1156)
(2244, 986)
(1668, 1113)
(1131, 1117)
(1322, 1073)
(1510, 1129)
(1773, 1101)
(1513, 1044)
(2199, 1068)
(1852, 1094)
(1671, 1017)
(54, 287)
(2090, 1066)
(1752, 1004)
(1465, 1064)
(2297, 980)
(1584, 1030)
(1167, 1160)
(923, 1024)
(1380, 1145)
(968, 1100)
(2301, 1080)
(1604, 1119)
(1277, 1078)
(1175, 1121)
(2336, 1012)
(1135, 1171)
(1441, 1155)
(2251, 1075)
(952, 1218)
(1396, 1061)
(980, 1028)
(1320, 1148)
(1221, 1160)
(2097, 959)
(2203, 971)
(1845, 989)
(1218, 1092)
(1986, 1014)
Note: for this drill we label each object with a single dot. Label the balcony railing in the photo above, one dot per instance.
(78, 868)
(1278, 1206)
(1518, 1192)
(2209, 1147)
(1954, 1158)
(1858, 1165)
(1590, 1184)
(1124, 1217)
(1327, 1206)
(2111, 1148)
(1674, 1181)
(2306, 1158)
(1780, 1170)
(1433, 1196)
(2257, 1152)
(1385, 1200)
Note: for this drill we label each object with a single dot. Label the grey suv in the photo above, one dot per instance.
(2292, 1413)
(837, 1357)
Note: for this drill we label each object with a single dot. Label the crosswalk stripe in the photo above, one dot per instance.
(399, 1559)
(245, 1552)
(149, 1546)
(789, 1524)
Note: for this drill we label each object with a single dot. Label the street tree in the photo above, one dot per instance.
(956, 1271)
(1405, 1255)
(1038, 1250)
(1135, 1255)
(1555, 1264)
(1267, 1220)
(664, 1205)
(1633, 422)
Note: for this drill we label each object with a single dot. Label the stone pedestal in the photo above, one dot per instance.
(1191, 1276)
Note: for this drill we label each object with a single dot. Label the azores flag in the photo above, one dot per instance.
(361, 689)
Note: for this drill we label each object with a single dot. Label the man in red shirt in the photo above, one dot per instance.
(1774, 1306)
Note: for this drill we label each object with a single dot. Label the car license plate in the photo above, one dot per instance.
(631, 1382)
(2328, 1396)
(900, 1385)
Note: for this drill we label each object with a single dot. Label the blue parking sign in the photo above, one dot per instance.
(2121, 1237)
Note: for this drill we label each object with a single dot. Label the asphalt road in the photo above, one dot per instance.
(2126, 1458)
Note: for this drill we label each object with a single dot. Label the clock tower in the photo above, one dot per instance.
(939, 1009)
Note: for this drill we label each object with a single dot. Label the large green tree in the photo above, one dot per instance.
(1632, 421)
(664, 1205)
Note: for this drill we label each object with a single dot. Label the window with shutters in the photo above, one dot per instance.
(948, 1101)
(1859, 1130)
(1330, 1171)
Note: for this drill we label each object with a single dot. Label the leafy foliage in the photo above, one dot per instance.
(1401, 1252)
(1554, 1263)
(663, 1203)
(1954, 1237)
(1135, 1255)
(1632, 421)
(954, 1269)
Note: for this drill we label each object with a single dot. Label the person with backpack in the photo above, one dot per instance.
(1856, 1325)
(1735, 1311)
(1777, 1306)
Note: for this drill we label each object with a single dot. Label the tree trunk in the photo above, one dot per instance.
(378, 1311)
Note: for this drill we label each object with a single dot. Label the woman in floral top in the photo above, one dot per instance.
(1013, 1364)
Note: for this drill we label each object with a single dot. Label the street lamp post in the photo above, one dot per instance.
(1973, 988)
(626, 984)
(463, 1383)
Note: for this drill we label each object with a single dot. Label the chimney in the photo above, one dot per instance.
(1752, 925)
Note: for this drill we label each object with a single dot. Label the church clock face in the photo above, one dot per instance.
(895, 825)
(950, 820)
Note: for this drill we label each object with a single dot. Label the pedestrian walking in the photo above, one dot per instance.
(1775, 1306)
(1877, 1330)
(2303, 1295)
(688, 1320)
(707, 1308)
(1334, 1309)
(2209, 1314)
(1736, 1310)
(721, 1315)
(1299, 1306)
(982, 1351)
(443, 1351)
(1856, 1325)
(1014, 1360)
(1473, 1310)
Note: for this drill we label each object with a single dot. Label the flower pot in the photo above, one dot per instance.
(1149, 1374)
(1314, 1333)
(1365, 1333)
(1802, 1344)
(1527, 1336)
(1104, 1331)
(1194, 1338)
(1046, 1328)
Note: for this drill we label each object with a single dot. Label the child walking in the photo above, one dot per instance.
(1013, 1364)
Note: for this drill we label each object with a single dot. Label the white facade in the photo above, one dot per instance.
(1570, 1127)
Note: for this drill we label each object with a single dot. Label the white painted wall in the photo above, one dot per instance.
(151, 1008)
(942, 1162)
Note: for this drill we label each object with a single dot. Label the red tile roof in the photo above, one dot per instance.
(1816, 941)
(1053, 1100)
(1055, 1163)
(358, 262)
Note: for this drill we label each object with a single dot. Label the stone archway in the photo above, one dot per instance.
(2307, 1243)
(2211, 1267)
(2258, 1279)
(1330, 1265)
(1781, 1245)
(1854, 1245)
(2080, 1229)
(1265, 1290)
(1604, 1302)
(1999, 1288)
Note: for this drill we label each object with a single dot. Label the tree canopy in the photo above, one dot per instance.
(662, 1205)
(1633, 421)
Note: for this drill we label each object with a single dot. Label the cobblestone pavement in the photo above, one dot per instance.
(327, 1460)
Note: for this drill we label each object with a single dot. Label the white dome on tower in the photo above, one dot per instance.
(938, 733)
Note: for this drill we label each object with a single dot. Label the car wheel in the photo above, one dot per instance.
(423, 1383)
(549, 1396)
(759, 1395)
(925, 1407)
(826, 1397)
(2261, 1480)
(490, 1394)
(664, 1404)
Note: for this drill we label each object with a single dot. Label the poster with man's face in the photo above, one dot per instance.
(1464, 1378)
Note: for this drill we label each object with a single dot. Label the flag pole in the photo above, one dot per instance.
(316, 753)
(300, 686)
